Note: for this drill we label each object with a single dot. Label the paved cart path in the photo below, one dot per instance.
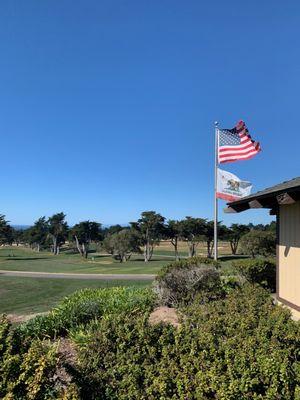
(62, 275)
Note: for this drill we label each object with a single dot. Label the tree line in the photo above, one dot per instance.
(139, 237)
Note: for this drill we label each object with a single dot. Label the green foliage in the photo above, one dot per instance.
(242, 347)
(183, 264)
(58, 230)
(183, 281)
(234, 234)
(25, 373)
(258, 242)
(121, 364)
(151, 229)
(38, 233)
(192, 230)
(6, 231)
(122, 244)
(261, 271)
(85, 305)
(84, 233)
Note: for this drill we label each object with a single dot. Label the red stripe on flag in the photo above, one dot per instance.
(238, 153)
(239, 148)
(226, 197)
(238, 158)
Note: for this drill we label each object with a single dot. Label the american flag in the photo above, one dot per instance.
(236, 144)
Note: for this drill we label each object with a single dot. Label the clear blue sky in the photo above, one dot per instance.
(107, 107)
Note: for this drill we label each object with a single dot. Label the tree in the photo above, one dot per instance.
(113, 229)
(84, 233)
(258, 242)
(151, 228)
(58, 230)
(209, 235)
(122, 244)
(18, 235)
(234, 234)
(192, 230)
(37, 235)
(6, 231)
(173, 230)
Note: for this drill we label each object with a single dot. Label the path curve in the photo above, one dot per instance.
(62, 275)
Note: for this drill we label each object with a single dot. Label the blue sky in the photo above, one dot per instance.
(107, 107)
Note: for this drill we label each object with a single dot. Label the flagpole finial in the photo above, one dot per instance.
(216, 123)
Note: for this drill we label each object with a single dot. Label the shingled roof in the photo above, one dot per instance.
(267, 198)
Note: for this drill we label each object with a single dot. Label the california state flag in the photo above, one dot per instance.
(230, 187)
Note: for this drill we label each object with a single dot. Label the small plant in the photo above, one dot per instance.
(261, 271)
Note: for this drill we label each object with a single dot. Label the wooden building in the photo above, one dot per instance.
(283, 200)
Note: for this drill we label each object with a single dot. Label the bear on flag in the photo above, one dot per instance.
(230, 187)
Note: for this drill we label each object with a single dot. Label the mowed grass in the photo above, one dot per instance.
(23, 259)
(24, 296)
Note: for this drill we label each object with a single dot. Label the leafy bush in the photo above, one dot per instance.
(85, 305)
(26, 374)
(258, 242)
(183, 281)
(261, 271)
(242, 347)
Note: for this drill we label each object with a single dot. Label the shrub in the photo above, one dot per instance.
(258, 242)
(26, 374)
(261, 271)
(85, 305)
(242, 347)
(183, 281)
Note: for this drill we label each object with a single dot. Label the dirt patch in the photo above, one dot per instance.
(17, 319)
(167, 315)
(67, 356)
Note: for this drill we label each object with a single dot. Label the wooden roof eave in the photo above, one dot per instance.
(269, 201)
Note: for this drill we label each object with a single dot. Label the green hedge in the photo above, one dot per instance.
(187, 263)
(85, 305)
(261, 271)
(242, 348)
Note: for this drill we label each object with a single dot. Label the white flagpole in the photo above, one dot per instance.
(215, 192)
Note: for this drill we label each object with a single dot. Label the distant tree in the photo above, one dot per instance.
(209, 235)
(6, 231)
(151, 229)
(113, 229)
(258, 242)
(122, 244)
(17, 235)
(173, 230)
(261, 227)
(58, 231)
(271, 226)
(37, 235)
(192, 230)
(234, 234)
(84, 233)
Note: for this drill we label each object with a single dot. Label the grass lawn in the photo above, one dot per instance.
(23, 259)
(20, 295)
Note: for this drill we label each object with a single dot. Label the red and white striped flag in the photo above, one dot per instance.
(236, 144)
